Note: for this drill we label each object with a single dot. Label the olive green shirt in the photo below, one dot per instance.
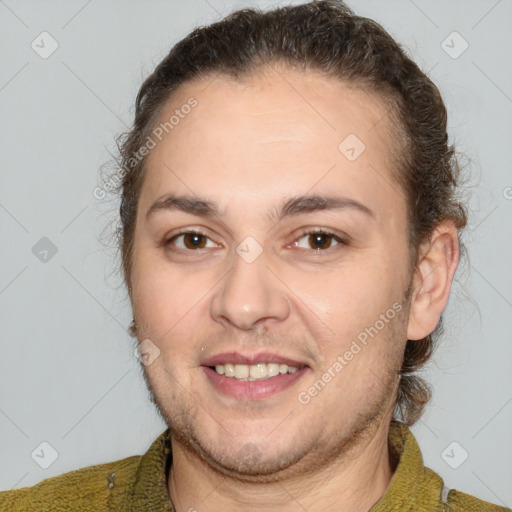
(139, 484)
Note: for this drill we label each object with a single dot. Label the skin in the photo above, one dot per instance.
(249, 145)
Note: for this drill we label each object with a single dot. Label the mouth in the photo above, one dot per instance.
(252, 377)
(253, 372)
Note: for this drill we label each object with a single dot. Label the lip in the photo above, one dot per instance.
(256, 389)
(250, 359)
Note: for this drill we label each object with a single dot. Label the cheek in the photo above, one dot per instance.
(348, 298)
(158, 297)
(168, 301)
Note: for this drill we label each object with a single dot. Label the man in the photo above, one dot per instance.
(289, 238)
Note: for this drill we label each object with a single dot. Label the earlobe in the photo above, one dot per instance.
(437, 262)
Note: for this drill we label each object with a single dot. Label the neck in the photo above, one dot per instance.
(353, 482)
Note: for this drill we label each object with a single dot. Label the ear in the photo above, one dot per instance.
(437, 262)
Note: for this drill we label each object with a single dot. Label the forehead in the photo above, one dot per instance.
(277, 131)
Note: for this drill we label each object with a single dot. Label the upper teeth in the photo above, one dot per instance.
(254, 371)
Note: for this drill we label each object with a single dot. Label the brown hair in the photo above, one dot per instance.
(324, 36)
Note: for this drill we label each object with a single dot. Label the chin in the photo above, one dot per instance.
(252, 464)
(236, 456)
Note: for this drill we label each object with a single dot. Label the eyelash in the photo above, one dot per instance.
(338, 239)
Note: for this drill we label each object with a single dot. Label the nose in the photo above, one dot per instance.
(250, 295)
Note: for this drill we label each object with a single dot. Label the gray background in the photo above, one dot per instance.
(68, 373)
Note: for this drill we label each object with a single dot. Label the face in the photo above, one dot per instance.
(276, 293)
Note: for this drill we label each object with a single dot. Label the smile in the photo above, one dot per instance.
(253, 372)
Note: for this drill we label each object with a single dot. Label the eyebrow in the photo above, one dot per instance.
(293, 206)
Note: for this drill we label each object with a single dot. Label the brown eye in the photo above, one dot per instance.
(189, 240)
(319, 240)
(194, 240)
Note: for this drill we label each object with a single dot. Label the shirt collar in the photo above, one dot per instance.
(150, 491)
(412, 485)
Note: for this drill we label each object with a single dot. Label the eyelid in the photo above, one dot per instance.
(197, 231)
(339, 237)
